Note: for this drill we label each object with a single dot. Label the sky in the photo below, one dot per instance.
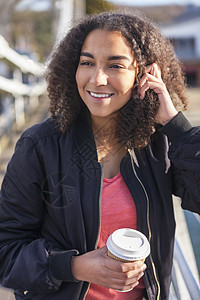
(44, 4)
(156, 2)
(35, 5)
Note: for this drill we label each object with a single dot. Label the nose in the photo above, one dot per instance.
(99, 77)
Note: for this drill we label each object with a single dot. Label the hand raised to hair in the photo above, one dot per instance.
(96, 267)
(152, 80)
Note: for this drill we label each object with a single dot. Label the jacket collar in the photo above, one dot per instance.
(84, 137)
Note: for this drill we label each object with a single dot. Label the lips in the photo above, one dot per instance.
(100, 95)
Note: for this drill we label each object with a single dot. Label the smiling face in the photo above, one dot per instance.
(106, 72)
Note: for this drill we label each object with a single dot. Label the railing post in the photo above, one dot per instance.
(186, 273)
(19, 111)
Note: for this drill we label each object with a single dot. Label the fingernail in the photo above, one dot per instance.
(144, 267)
(142, 274)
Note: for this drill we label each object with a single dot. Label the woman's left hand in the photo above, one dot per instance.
(152, 80)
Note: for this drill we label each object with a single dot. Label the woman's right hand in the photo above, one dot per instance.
(96, 267)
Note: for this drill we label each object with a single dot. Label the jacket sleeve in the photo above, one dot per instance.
(184, 154)
(28, 261)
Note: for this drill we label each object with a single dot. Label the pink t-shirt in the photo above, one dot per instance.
(117, 211)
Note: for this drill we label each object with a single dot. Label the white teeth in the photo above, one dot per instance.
(100, 95)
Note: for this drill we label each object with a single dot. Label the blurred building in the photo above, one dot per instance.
(184, 32)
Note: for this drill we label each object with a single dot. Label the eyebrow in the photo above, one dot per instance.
(114, 57)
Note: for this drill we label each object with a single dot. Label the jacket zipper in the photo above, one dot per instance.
(100, 193)
(148, 222)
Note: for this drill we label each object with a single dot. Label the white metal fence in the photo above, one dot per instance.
(181, 268)
(21, 85)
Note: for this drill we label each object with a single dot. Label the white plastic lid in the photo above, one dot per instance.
(128, 244)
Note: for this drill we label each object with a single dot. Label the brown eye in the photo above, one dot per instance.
(116, 67)
(86, 63)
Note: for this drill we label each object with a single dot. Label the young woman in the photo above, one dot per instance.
(112, 154)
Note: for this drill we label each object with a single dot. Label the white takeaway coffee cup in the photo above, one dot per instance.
(128, 245)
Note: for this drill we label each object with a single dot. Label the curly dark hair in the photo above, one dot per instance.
(136, 119)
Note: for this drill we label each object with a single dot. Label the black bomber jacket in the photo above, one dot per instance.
(50, 204)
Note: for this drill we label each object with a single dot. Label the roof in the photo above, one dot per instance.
(191, 12)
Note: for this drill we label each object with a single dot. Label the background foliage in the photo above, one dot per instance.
(22, 27)
(96, 6)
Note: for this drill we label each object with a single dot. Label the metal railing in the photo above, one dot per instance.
(184, 284)
(21, 85)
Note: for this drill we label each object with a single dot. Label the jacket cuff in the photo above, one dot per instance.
(176, 127)
(60, 265)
